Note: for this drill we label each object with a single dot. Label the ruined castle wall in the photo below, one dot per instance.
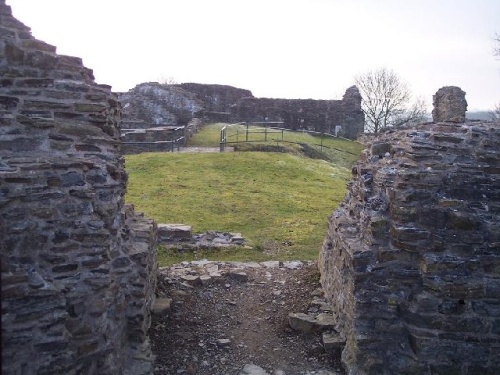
(78, 270)
(217, 99)
(353, 118)
(411, 262)
(449, 104)
(154, 114)
(306, 114)
(154, 104)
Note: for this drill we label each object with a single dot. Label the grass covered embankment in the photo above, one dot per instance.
(278, 201)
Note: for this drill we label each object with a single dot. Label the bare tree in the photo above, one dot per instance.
(385, 100)
(170, 80)
(496, 47)
(495, 114)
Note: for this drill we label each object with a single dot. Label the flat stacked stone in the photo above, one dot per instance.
(449, 104)
(411, 262)
(78, 269)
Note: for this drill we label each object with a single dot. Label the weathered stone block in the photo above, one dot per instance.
(72, 179)
(161, 306)
(40, 60)
(65, 268)
(302, 322)
(89, 107)
(174, 232)
(332, 342)
(121, 262)
(380, 148)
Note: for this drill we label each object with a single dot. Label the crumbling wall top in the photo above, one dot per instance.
(449, 105)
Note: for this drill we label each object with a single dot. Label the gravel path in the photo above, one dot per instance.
(238, 317)
(204, 149)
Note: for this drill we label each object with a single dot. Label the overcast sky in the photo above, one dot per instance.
(278, 48)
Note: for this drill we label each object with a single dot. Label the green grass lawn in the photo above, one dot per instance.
(278, 201)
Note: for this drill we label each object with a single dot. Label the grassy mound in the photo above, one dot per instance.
(342, 152)
(279, 201)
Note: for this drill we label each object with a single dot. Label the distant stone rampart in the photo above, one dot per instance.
(154, 105)
(217, 99)
(306, 114)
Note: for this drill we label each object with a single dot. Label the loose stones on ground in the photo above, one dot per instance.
(204, 271)
(227, 275)
(180, 236)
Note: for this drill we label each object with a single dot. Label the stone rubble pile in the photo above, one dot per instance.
(180, 237)
(227, 341)
(202, 272)
(319, 317)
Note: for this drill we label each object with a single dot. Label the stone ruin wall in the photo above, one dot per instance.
(231, 104)
(449, 104)
(151, 108)
(307, 114)
(78, 269)
(154, 114)
(411, 262)
(154, 104)
(217, 99)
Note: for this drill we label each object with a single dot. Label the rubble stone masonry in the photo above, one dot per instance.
(151, 104)
(411, 262)
(78, 269)
(449, 104)
(307, 114)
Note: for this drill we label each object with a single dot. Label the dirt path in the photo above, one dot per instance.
(217, 325)
(204, 149)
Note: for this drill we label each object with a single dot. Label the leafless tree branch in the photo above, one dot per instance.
(495, 114)
(385, 100)
(496, 47)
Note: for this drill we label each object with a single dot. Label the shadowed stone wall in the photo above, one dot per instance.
(411, 262)
(78, 269)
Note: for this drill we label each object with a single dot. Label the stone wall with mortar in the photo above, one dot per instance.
(153, 104)
(156, 104)
(411, 262)
(217, 99)
(78, 269)
(307, 114)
